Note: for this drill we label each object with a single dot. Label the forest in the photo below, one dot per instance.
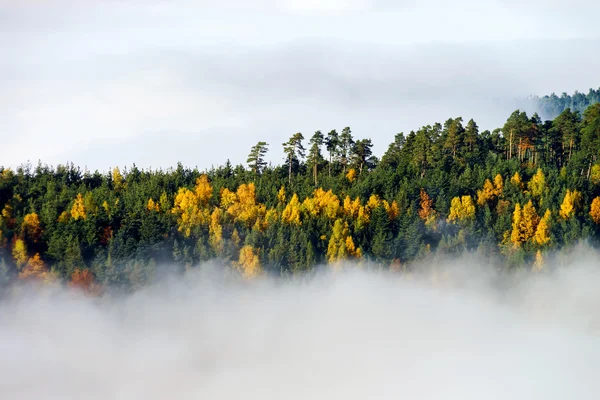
(513, 194)
(552, 106)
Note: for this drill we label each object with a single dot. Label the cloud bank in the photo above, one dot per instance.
(113, 83)
(456, 331)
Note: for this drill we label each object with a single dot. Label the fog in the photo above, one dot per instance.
(153, 83)
(452, 329)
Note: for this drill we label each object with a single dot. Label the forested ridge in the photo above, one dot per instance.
(551, 106)
(514, 193)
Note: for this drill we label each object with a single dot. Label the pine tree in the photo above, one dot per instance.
(346, 142)
(362, 154)
(256, 158)
(294, 150)
(454, 136)
(332, 142)
(315, 158)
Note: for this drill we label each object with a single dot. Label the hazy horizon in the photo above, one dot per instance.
(153, 83)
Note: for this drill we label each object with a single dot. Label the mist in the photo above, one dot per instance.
(452, 329)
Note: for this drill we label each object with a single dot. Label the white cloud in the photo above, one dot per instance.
(326, 6)
(75, 75)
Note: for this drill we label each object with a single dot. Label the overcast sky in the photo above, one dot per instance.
(105, 83)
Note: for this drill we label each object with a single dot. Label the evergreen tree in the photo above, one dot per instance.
(294, 150)
(256, 160)
(315, 158)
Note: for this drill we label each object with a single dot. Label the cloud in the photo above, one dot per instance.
(456, 330)
(138, 106)
(326, 6)
(76, 77)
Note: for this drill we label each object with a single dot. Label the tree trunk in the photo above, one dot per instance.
(290, 168)
(510, 140)
(570, 148)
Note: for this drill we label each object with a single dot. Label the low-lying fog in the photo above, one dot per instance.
(456, 331)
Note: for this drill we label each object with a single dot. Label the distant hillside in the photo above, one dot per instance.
(550, 107)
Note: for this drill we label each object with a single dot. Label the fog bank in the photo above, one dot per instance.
(456, 331)
(105, 83)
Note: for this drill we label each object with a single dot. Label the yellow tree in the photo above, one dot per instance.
(529, 221)
(322, 204)
(291, 212)
(515, 235)
(461, 209)
(117, 179)
(249, 263)
(426, 212)
(216, 231)
(19, 252)
(373, 202)
(392, 209)
(595, 174)
(537, 184)
(486, 194)
(203, 190)
(595, 210)
(106, 207)
(362, 218)
(570, 204)
(498, 185)
(243, 206)
(31, 227)
(35, 268)
(351, 208)
(7, 215)
(78, 210)
(228, 198)
(351, 175)
(341, 245)
(542, 232)
(516, 180)
(281, 195)
(188, 211)
(152, 206)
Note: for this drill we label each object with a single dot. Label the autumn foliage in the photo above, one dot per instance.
(513, 194)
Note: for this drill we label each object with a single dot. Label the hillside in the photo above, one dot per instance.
(513, 194)
(552, 106)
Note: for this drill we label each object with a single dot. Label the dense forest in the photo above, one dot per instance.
(552, 106)
(514, 194)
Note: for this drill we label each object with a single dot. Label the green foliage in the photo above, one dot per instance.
(121, 225)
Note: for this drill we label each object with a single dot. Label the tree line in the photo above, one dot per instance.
(514, 194)
(551, 106)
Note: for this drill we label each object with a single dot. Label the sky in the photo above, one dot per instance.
(116, 82)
